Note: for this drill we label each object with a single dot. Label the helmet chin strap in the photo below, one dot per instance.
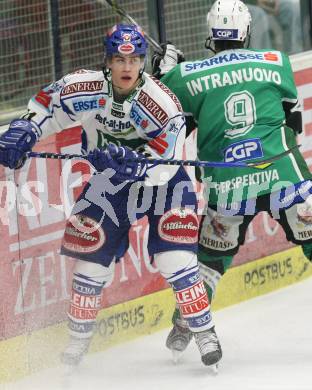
(208, 46)
(247, 41)
(107, 73)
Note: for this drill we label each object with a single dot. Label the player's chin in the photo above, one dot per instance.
(127, 83)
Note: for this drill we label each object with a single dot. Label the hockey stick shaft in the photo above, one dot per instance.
(120, 11)
(193, 163)
(152, 161)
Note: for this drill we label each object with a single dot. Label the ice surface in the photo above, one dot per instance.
(267, 345)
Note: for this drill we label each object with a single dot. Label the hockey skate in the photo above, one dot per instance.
(209, 348)
(178, 339)
(74, 353)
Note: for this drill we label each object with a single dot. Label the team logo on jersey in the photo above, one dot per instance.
(241, 151)
(83, 235)
(55, 86)
(88, 104)
(174, 128)
(224, 33)
(179, 225)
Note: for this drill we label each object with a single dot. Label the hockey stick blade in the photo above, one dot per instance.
(154, 161)
(120, 11)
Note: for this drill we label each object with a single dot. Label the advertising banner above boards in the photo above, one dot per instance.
(35, 203)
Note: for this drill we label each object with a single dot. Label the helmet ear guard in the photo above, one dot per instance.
(228, 20)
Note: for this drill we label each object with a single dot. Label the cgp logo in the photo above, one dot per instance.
(223, 33)
(246, 150)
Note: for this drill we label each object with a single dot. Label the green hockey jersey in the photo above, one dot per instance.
(237, 98)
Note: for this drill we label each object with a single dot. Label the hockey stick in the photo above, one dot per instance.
(154, 161)
(120, 11)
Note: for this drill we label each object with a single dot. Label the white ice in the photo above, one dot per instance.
(267, 345)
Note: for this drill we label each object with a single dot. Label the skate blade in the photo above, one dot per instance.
(176, 355)
(214, 369)
(68, 370)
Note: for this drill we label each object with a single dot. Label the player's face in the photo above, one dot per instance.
(125, 71)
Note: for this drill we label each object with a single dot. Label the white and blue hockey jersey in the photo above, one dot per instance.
(150, 117)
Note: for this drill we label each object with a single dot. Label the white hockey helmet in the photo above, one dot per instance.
(228, 20)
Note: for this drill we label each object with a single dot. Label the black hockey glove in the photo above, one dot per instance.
(163, 63)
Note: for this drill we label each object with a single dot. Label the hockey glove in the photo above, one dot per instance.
(127, 170)
(16, 142)
(163, 63)
(99, 159)
(116, 158)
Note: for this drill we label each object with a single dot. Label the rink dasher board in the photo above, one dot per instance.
(27, 354)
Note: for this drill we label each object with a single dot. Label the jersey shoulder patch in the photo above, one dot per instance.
(82, 82)
(163, 95)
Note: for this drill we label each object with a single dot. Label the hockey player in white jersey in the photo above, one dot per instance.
(129, 113)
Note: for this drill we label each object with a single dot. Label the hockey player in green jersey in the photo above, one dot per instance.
(245, 106)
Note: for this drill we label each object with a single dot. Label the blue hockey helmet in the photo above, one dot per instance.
(125, 39)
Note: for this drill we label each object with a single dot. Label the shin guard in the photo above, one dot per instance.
(192, 299)
(180, 269)
(88, 282)
(84, 306)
